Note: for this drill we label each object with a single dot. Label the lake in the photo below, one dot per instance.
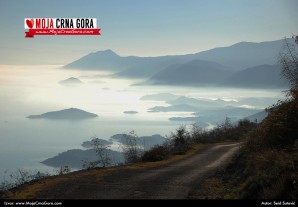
(29, 90)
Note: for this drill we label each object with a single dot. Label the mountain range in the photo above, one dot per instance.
(245, 64)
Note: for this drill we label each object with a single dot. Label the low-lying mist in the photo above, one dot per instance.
(120, 106)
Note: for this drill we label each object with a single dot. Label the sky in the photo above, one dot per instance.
(142, 28)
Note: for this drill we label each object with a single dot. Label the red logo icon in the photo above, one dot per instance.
(30, 23)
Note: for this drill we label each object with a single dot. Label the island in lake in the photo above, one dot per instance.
(130, 112)
(65, 114)
(71, 81)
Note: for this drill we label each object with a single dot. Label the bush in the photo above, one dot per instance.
(223, 132)
(157, 153)
(181, 140)
(281, 127)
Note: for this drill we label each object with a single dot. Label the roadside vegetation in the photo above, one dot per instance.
(184, 139)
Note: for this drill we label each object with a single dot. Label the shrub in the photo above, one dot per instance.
(280, 128)
(157, 153)
(181, 140)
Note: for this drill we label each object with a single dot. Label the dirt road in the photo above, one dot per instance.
(173, 181)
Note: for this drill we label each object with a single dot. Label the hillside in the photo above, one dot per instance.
(245, 54)
(261, 76)
(258, 117)
(196, 72)
(100, 60)
(267, 165)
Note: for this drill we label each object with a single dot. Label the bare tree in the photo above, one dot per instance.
(226, 125)
(102, 153)
(20, 176)
(130, 147)
(288, 58)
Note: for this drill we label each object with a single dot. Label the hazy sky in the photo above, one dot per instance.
(142, 27)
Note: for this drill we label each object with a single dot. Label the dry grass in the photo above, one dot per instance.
(212, 188)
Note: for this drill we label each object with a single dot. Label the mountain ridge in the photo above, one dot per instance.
(271, 47)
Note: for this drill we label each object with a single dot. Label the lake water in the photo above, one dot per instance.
(30, 90)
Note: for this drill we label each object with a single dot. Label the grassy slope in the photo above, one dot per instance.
(267, 165)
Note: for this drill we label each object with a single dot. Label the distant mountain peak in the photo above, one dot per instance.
(106, 52)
